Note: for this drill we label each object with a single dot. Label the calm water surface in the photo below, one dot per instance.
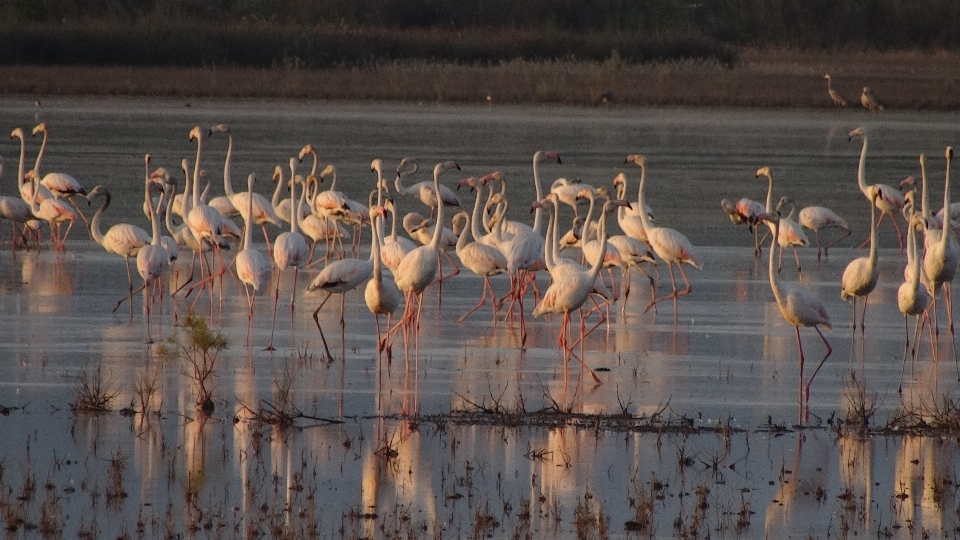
(354, 466)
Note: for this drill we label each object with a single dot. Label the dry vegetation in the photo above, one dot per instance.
(786, 78)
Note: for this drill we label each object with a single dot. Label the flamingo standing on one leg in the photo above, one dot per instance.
(891, 203)
(289, 250)
(799, 307)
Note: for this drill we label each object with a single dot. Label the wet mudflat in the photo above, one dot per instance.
(464, 433)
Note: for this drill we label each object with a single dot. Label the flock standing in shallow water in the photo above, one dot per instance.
(484, 240)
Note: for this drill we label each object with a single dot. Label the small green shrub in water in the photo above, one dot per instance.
(200, 350)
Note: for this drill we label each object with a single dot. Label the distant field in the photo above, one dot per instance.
(911, 80)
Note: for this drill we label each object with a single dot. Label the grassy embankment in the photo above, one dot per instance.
(261, 61)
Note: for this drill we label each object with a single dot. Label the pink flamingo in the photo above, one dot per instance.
(289, 250)
(253, 269)
(860, 276)
(817, 218)
(482, 260)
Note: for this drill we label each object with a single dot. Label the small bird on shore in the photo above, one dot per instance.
(834, 95)
(869, 101)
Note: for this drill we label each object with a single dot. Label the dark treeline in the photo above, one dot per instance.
(318, 33)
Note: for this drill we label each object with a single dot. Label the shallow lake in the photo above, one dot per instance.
(464, 433)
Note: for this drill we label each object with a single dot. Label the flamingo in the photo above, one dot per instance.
(744, 211)
(381, 293)
(153, 259)
(54, 211)
(253, 268)
(571, 291)
(791, 233)
(394, 247)
(419, 267)
(282, 207)
(891, 203)
(422, 230)
(17, 211)
(289, 250)
(799, 307)
(817, 218)
(425, 191)
(671, 246)
(318, 228)
(567, 191)
(834, 95)
(941, 257)
(61, 185)
(860, 276)
(912, 296)
(204, 222)
(262, 212)
(342, 276)
(25, 188)
(482, 260)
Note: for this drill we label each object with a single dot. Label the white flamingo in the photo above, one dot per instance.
(425, 191)
(253, 268)
(25, 188)
(891, 203)
(799, 307)
(482, 260)
(204, 222)
(817, 218)
(941, 257)
(671, 246)
(17, 211)
(912, 296)
(419, 267)
(152, 259)
(861, 274)
(262, 211)
(289, 250)
(381, 293)
(342, 276)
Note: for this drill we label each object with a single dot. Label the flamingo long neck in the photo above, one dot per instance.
(168, 215)
(154, 222)
(873, 234)
(913, 261)
(393, 227)
(641, 200)
(43, 148)
(462, 238)
(295, 203)
(186, 201)
(196, 173)
(248, 223)
(23, 157)
(35, 184)
(227, 181)
(95, 222)
(475, 217)
(774, 285)
(377, 231)
(597, 264)
(621, 193)
(769, 191)
(861, 168)
(539, 190)
(435, 241)
(946, 232)
(924, 199)
(397, 183)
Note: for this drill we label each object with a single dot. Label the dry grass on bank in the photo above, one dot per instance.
(911, 80)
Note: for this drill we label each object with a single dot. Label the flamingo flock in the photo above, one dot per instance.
(399, 269)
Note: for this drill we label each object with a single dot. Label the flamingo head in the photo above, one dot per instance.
(472, 182)
(40, 128)
(495, 175)
(908, 183)
(407, 166)
(377, 210)
(763, 171)
(445, 166)
(97, 191)
(376, 166)
(548, 154)
(585, 194)
(17, 132)
(219, 128)
(307, 149)
(329, 170)
(948, 153)
(610, 204)
(826, 75)
(196, 133)
(638, 159)
(858, 132)
(277, 174)
(619, 180)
